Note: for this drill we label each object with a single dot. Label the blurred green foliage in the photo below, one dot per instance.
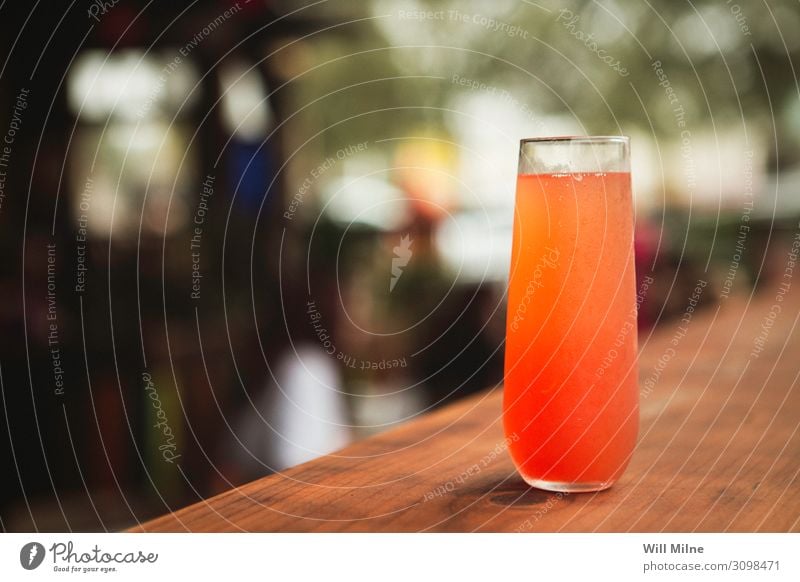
(728, 63)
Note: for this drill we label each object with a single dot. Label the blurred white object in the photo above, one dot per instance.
(366, 200)
(304, 416)
(475, 246)
(245, 105)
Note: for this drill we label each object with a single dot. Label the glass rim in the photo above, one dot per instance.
(578, 138)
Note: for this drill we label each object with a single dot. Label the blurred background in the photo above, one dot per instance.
(239, 235)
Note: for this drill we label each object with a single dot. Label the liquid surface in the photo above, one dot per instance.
(571, 394)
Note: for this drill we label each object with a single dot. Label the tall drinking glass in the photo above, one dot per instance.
(571, 398)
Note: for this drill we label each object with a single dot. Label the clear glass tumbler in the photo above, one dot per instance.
(571, 398)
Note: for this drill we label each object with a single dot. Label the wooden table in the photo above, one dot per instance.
(719, 450)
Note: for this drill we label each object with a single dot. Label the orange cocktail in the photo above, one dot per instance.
(571, 394)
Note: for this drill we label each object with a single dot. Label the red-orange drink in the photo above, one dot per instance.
(571, 396)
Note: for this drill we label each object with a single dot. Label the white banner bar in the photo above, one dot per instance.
(401, 557)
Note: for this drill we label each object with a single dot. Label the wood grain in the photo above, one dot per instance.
(718, 451)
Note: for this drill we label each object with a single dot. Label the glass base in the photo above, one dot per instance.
(566, 487)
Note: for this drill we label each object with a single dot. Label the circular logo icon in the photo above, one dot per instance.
(31, 555)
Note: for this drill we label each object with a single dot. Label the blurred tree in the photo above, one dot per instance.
(725, 63)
